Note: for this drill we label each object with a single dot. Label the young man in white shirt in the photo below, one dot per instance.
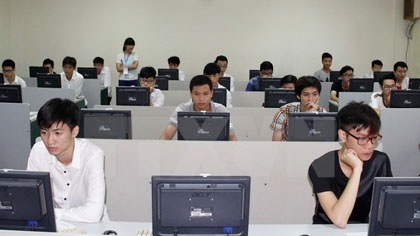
(222, 61)
(70, 78)
(76, 166)
(382, 100)
(104, 75)
(201, 89)
(324, 73)
(148, 79)
(173, 63)
(376, 67)
(400, 72)
(212, 70)
(10, 77)
(50, 65)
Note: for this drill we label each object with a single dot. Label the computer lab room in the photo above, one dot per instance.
(209, 117)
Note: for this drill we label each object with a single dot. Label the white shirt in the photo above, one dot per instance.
(105, 78)
(232, 81)
(376, 101)
(127, 61)
(17, 81)
(157, 98)
(79, 188)
(75, 83)
(181, 75)
(228, 96)
(405, 83)
(368, 75)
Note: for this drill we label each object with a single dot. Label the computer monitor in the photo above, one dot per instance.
(253, 73)
(172, 74)
(275, 97)
(309, 126)
(265, 83)
(225, 81)
(11, 93)
(334, 76)
(105, 124)
(219, 96)
(162, 83)
(88, 72)
(414, 83)
(380, 74)
(361, 85)
(405, 98)
(26, 201)
(35, 70)
(196, 205)
(203, 126)
(133, 96)
(1, 78)
(395, 206)
(49, 81)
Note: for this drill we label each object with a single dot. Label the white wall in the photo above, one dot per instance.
(291, 34)
(5, 29)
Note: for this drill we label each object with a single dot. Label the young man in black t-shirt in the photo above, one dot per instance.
(343, 84)
(343, 179)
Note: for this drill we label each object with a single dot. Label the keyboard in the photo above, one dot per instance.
(144, 232)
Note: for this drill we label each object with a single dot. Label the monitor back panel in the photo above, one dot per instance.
(203, 126)
(225, 81)
(311, 127)
(88, 72)
(361, 85)
(106, 125)
(405, 98)
(219, 96)
(414, 83)
(278, 97)
(133, 96)
(269, 83)
(171, 74)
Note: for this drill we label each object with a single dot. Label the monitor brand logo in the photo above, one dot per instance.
(200, 194)
(104, 128)
(132, 99)
(407, 102)
(282, 101)
(3, 96)
(313, 132)
(203, 131)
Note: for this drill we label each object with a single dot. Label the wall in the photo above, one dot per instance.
(5, 29)
(291, 34)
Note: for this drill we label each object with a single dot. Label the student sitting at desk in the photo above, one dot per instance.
(10, 77)
(104, 75)
(222, 61)
(376, 67)
(173, 63)
(400, 72)
(308, 90)
(323, 74)
(288, 82)
(212, 70)
(50, 65)
(381, 100)
(148, 79)
(342, 85)
(70, 78)
(266, 71)
(342, 180)
(201, 91)
(76, 166)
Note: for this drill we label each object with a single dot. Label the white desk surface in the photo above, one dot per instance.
(131, 228)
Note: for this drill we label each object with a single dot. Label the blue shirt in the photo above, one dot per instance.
(253, 84)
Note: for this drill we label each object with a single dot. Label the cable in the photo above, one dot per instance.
(409, 35)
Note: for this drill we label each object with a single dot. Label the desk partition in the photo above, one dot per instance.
(346, 97)
(36, 97)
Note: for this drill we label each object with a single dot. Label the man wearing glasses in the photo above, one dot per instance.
(342, 85)
(381, 100)
(148, 79)
(342, 180)
(266, 71)
(10, 77)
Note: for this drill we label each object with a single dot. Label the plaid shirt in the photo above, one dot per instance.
(281, 120)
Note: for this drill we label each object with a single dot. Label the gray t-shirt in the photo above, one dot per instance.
(321, 75)
(189, 107)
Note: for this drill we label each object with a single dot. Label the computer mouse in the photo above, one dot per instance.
(110, 232)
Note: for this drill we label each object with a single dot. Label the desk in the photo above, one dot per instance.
(131, 228)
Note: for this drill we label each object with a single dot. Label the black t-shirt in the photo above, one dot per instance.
(326, 175)
(337, 86)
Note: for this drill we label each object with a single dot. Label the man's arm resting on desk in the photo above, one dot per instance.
(333, 96)
(168, 133)
(277, 135)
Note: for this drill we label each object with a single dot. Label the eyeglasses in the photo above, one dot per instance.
(149, 81)
(365, 140)
(389, 87)
(348, 75)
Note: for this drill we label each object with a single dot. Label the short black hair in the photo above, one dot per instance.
(266, 65)
(344, 69)
(8, 62)
(288, 79)
(358, 115)
(98, 60)
(221, 58)
(58, 110)
(377, 62)
(48, 61)
(69, 61)
(147, 72)
(199, 80)
(326, 55)
(128, 41)
(211, 69)
(400, 64)
(305, 82)
(387, 76)
(174, 60)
